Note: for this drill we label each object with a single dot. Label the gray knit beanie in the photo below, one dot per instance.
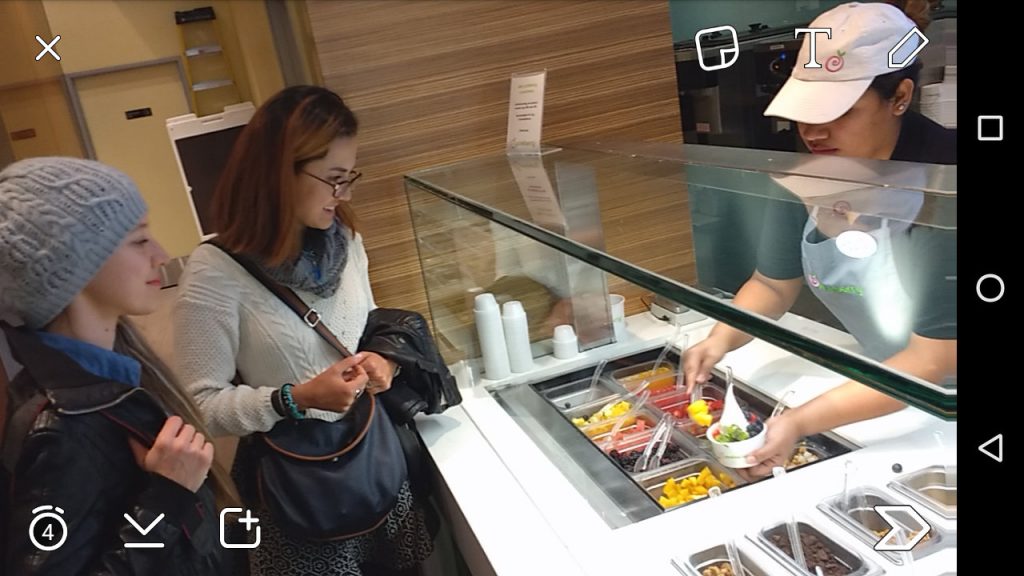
(60, 220)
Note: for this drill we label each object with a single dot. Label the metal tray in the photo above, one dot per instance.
(580, 393)
(931, 488)
(862, 521)
(811, 447)
(696, 563)
(684, 443)
(628, 377)
(856, 564)
(654, 482)
(588, 409)
(615, 494)
(676, 402)
(604, 435)
(637, 442)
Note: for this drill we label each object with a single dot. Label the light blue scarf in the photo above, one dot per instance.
(319, 266)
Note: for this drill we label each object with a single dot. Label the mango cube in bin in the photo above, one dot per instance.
(604, 420)
(681, 491)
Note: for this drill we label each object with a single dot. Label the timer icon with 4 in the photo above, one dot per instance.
(48, 531)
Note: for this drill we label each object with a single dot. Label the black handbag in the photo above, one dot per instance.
(332, 480)
(327, 480)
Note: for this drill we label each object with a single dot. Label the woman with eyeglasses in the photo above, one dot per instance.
(282, 202)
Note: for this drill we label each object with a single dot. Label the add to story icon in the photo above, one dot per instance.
(248, 520)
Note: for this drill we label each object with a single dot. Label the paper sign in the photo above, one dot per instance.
(539, 195)
(525, 113)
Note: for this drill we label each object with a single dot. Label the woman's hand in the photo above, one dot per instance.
(379, 370)
(782, 434)
(700, 359)
(335, 389)
(179, 454)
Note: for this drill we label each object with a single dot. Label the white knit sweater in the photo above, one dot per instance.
(224, 320)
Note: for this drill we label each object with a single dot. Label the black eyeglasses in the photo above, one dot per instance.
(341, 186)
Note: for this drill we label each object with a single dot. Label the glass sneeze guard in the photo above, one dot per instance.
(690, 223)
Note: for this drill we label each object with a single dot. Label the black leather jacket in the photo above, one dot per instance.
(424, 383)
(74, 454)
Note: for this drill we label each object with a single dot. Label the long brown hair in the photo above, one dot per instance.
(158, 380)
(253, 205)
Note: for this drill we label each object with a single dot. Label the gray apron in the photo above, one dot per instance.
(865, 294)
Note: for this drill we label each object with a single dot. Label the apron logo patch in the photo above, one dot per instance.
(838, 288)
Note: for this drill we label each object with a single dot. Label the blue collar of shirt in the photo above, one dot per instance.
(95, 360)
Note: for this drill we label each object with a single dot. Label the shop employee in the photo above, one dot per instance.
(894, 291)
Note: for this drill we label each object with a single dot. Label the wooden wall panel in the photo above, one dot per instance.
(430, 80)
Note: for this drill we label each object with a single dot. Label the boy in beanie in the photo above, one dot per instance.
(87, 429)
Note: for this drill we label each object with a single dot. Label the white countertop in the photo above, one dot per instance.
(529, 519)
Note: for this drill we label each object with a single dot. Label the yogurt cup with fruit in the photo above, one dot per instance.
(731, 444)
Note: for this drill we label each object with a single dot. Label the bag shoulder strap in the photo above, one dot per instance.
(309, 315)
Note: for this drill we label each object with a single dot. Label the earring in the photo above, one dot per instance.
(901, 107)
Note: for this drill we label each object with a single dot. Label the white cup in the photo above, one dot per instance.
(734, 454)
(617, 303)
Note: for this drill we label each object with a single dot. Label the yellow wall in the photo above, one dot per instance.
(104, 98)
(31, 92)
(42, 107)
(102, 33)
(98, 34)
(20, 22)
(6, 152)
(256, 54)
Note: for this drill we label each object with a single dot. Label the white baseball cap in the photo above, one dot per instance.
(858, 51)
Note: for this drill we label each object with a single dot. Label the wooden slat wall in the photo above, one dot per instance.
(429, 81)
(645, 217)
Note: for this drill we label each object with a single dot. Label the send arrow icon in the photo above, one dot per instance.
(890, 542)
(998, 442)
(144, 531)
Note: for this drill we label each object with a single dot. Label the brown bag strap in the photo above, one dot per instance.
(309, 315)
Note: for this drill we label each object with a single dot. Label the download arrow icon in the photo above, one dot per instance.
(888, 542)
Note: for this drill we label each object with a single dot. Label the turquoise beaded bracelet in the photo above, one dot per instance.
(289, 402)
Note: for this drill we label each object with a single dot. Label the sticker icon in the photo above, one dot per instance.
(48, 531)
(248, 520)
(733, 49)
